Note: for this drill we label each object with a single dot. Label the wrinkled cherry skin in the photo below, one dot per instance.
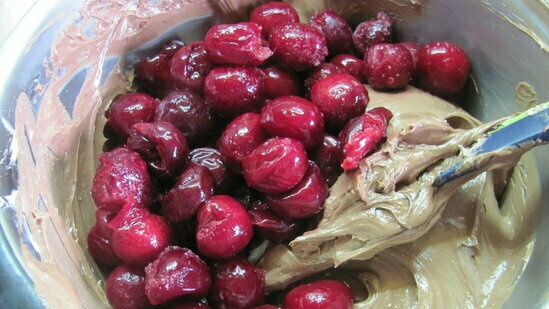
(388, 66)
(362, 135)
(237, 283)
(240, 137)
(351, 64)
(274, 228)
(442, 68)
(319, 295)
(328, 158)
(138, 235)
(189, 113)
(213, 160)
(121, 175)
(304, 200)
(373, 31)
(129, 109)
(190, 66)
(231, 91)
(238, 44)
(194, 186)
(298, 47)
(413, 48)
(339, 97)
(295, 117)
(279, 82)
(275, 166)
(152, 74)
(177, 272)
(322, 71)
(161, 145)
(125, 288)
(336, 30)
(100, 238)
(224, 228)
(271, 14)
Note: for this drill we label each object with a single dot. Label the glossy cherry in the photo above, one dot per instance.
(336, 30)
(224, 228)
(121, 175)
(298, 47)
(194, 186)
(442, 68)
(125, 288)
(177, 272)
(237, 283)
(339, 97)
(280, 82)
(138, 235)
(161, 145)
(273, 227)
(388, 66)
(305, 199)
(362, 135)
(190, 66)
(152, 74)
(240, 137)
(328, 157)
(319, 295)
(322, 71)
(373, 31)
(351, 64)
(99, 240)
(189, 113)
(295, 117)
(238, 44)
(275, 166)
(214, 161)
(271, 14)
(129, 109)
(232, 90)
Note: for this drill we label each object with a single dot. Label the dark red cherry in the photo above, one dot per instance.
(231, 91)
(237, 283)
(237, 44)
(161, 145)
(373, 31)
(275, 166)
(298, 47)
(129, 109)
(194, 186)
(295, 117)
(271, 14)
(190, 66)
(351, 64)
(339, 97)
(121, 175)
(224, 228)
(304, 200)
(319, 295)
(189, 113)
(388, 66)
(442, 68)
(240, 137)
(279, 82)
(214, 161)
(336, 30)
(125, 288)
(177, 272)
(273, 227)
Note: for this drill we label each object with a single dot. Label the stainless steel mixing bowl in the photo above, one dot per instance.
(508, 43)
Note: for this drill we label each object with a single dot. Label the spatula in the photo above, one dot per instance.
(518, 133)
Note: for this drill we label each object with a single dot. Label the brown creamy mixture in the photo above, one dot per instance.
(405, 243)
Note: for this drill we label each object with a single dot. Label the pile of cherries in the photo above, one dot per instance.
(235, 140)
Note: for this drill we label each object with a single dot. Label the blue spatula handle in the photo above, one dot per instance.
(530, 126)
